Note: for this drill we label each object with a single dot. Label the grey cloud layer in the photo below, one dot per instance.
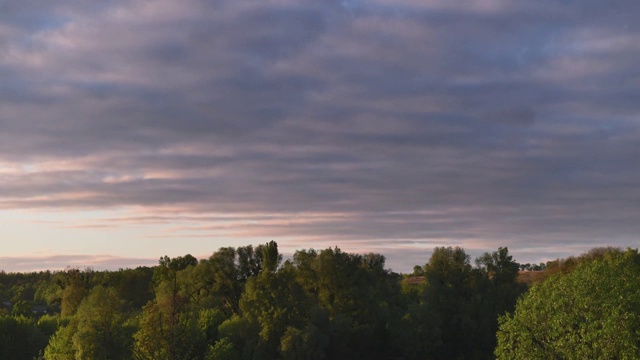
(516, 122)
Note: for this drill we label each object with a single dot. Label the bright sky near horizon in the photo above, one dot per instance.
(133, 129)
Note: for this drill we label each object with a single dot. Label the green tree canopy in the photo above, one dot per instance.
(97, 331)
(592, 312)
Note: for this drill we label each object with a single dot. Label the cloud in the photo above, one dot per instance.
(61, 262)
(501, 123)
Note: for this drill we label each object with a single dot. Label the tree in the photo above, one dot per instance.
(168, 335)
(309, 343)
(168, 267)
(223, 276)
(101, 327)
(449, 295)
(274, 301)
(499, 266)
(589, 313)
(20, 338)
(60, 345)
(223, 350)
(271, 257)
(249, 262)
(271, 302)
(354, 299)
(98, 331)
(227, 282)
(133, 285)
(21, 308)
(169, 326)
(75, 284)
(500, 291)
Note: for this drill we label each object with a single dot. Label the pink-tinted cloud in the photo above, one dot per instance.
(61, 262)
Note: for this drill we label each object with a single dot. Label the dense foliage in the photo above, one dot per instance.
(246, 303)
(592, 312)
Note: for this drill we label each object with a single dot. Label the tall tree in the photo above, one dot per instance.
(499, 290)
(169, 325)
(271, 257)
(450, 295)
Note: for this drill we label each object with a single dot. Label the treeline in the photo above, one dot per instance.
(246, 303)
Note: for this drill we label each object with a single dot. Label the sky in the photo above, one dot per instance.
(133, 129)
